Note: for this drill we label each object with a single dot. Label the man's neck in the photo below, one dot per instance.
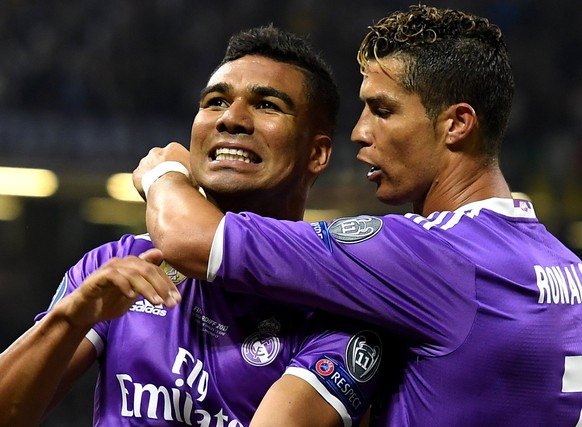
(292, 210)
(463, 187)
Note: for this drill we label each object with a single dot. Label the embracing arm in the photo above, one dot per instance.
(292, 402)
(42, 364)
(180, 221)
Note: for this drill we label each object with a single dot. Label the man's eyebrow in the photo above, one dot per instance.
(265, 91)
(382, 100)
(261, 91)
(378, 99)
(218, 87)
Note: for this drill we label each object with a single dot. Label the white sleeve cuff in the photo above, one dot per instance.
(310, 377)
(96, 340)
(216, 250)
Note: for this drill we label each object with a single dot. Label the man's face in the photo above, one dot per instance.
(252, 131)
(396, 137)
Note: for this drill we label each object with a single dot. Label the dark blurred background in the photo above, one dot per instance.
(87, 87)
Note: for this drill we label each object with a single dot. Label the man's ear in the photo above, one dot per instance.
(460, 121)
(320, 153)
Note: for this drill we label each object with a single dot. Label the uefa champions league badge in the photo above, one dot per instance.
(174, 275)
(355, 229)
(262, 347)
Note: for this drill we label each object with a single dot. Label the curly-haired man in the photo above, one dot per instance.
(486, 302)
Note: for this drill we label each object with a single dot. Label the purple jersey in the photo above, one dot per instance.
(488, 300)
(210, 360)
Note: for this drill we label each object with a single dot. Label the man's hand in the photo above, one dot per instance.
(172, 152)
(39, 367)
(112, 289)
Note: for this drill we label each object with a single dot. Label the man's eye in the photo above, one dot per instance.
(382, 112)
(267, 105)
(214, 102)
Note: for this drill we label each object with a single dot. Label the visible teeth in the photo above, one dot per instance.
(372, 170)
(235, 154)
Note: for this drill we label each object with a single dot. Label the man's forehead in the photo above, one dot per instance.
(389, 66)
(257, 70)
(259, 76)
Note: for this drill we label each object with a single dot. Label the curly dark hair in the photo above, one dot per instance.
(283, 46)
(449, 57)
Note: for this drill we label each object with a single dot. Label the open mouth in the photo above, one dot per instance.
(235, 154)
(372, 170)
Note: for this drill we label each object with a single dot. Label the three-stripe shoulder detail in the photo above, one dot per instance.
(443, 220)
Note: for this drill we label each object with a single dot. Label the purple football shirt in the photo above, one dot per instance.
(488, 299)
(210, 360)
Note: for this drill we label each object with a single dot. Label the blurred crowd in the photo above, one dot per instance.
(101, 70)
(92, 85)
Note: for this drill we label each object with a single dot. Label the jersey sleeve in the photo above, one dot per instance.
(91, 261)
(385, 270)
(346, 368)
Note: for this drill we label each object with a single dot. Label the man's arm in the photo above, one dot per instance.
(292, 402)
(180, 221)
(44, 362)
(33, 369)
(182, 224)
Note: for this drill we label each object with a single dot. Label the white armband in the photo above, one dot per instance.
(163, 168)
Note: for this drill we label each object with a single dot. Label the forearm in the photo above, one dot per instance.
(292, 402)
(32, 368)
(181, 223)
(38, 367)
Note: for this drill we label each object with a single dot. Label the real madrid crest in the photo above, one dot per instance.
(262, 347)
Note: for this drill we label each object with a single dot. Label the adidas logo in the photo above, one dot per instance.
(144, 306)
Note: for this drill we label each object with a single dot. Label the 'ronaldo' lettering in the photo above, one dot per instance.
(559, 284)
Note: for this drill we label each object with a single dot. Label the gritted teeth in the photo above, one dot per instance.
(236, 154)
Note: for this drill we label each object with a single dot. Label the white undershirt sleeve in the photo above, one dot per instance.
(216, 252)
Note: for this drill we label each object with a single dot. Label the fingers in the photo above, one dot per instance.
(146, 278)
(174, 151)
(113, 288)
(153, 256)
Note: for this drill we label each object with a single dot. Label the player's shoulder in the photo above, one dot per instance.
(128, 244)
(362, 228)
(136, 243)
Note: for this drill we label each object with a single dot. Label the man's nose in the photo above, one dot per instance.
(237, 118)
(360, 132)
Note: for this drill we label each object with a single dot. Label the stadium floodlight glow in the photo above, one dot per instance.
(105, 210)
(120, 187)
(10, 208)
(27, 182)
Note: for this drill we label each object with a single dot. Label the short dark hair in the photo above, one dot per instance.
(449, 57)
(283, 46)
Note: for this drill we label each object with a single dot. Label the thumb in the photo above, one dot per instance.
(153, 256)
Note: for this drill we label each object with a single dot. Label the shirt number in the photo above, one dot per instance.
(572, 379)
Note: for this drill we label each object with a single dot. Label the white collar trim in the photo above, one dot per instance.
(516, 208)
